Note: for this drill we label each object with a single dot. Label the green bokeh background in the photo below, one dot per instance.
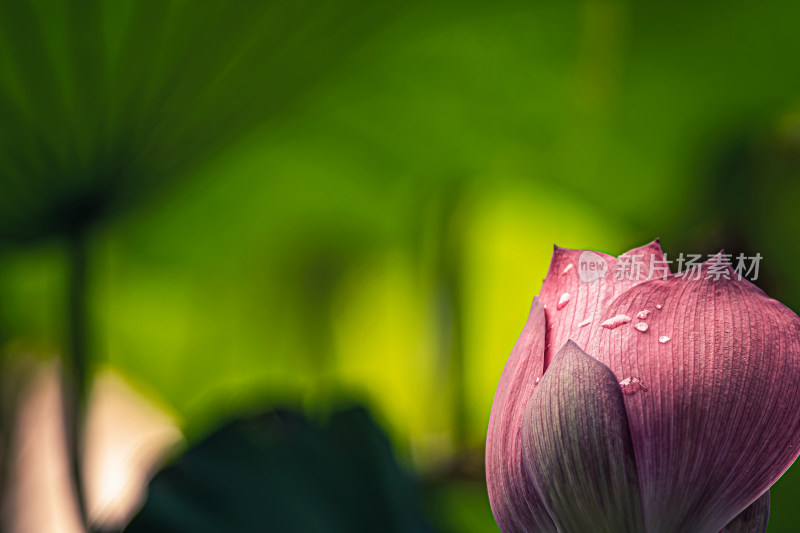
(311, 202)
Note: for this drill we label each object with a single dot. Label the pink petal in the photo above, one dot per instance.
(577, 447)
(516, 506)
(753, 519)
(588, 300)
(720, 422)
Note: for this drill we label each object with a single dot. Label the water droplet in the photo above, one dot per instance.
(568, 268)
(564, 300)
(616, 321)
(585, 323)
(663, 338)
(643, 314)
(632, 385)
(641, 326)
(536, 382)
(659, 307)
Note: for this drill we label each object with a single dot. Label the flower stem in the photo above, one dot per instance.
(75, 371)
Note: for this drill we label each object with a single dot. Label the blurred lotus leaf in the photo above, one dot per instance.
(103, 103)
(280, 472)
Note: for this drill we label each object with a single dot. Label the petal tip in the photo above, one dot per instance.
(572, 348)
(536, 306)
(572, 345)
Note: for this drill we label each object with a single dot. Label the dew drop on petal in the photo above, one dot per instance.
(659, 306)
(632, 385)
(568, 268)
(585, 323)
(564, 300)
(663, 338)
(643, 314)
(616, 321)
(641, 326)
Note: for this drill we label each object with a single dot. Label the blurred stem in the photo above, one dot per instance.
(450, 274)
(75, 371)
(6, 431)
(454, 292)
(6, 424)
